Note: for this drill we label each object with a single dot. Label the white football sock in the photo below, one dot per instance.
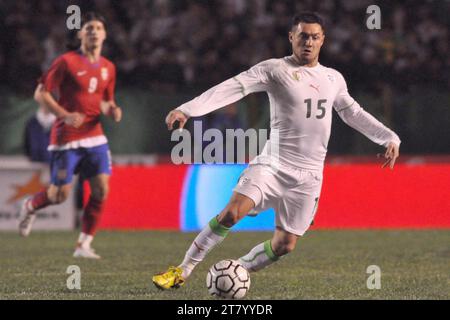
(259, 257)
(208, 238)
(84, 240)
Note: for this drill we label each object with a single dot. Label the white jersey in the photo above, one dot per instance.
(301, 103)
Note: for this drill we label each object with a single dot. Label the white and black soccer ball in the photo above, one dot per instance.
(228, 279)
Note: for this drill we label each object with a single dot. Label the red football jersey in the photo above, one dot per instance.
(80, 86)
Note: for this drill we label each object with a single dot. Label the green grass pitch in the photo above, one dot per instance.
(325, 265)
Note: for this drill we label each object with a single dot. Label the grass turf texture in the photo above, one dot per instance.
(325, 265)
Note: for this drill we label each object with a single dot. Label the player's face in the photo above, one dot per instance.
(306, 40)
(92, 34)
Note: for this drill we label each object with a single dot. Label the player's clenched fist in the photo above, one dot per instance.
(74, 119)
(174, 116)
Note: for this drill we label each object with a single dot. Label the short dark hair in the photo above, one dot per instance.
(307, 17)
(93, 16)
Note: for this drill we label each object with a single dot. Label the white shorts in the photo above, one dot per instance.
(293, 193)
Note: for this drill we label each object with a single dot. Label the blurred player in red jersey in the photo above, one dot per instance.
(84, 83)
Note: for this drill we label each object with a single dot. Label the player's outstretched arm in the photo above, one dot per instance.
(174, 116)
(360, 120)
(356, 117)
(255, 79)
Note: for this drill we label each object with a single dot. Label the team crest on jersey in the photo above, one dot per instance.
(296, 75)
(104, 73)
(330, 77)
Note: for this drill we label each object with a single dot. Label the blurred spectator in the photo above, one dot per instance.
(173, 45)
(37, 135)
(186, 46)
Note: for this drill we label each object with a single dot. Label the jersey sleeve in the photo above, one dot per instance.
(109, 92)
(356, 117)
(343, 99)
(256, 79)
(53, 78)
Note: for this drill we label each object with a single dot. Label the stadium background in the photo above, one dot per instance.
(169, 51)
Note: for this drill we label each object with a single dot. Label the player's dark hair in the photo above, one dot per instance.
(73, 43)
(307, 17)
(93, 16)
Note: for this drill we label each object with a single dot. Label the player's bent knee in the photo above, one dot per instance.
(62, 196)
(58, 195)
(100, 194)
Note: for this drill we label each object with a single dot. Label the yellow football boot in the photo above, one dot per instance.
(170, 279)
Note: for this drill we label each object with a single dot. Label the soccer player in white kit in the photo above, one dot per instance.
(302, 94)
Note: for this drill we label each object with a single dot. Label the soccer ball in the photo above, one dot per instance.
(228, 279)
